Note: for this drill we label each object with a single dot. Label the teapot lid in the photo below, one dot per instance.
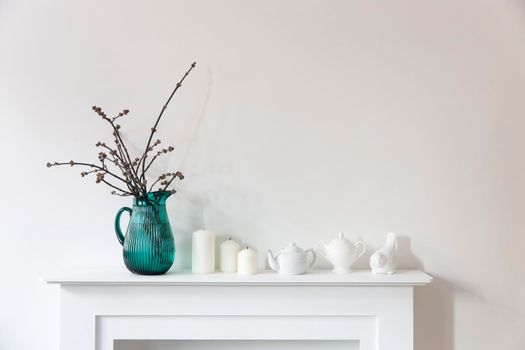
(340, 239)
(292, 248)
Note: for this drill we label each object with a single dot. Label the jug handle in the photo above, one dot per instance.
(118, 231)
(311, 251)
(363, 249)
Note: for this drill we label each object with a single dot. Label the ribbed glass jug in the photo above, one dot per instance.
(149, 247)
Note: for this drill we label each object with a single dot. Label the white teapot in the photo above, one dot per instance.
(291, 260)
(342, 253)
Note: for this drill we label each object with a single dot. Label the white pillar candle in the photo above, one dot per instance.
(228, 260)
(247, 262)
(203, 252)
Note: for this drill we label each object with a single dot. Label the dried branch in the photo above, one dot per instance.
(121, 159)
(154, 128)
(115, 193)
(73, 163)
(161, 177)
(121, 146)
(159, 153)
(115, 187)
(178, 174)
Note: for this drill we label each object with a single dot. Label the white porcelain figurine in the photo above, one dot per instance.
(291, 260)
(384, 260)
(342, 253)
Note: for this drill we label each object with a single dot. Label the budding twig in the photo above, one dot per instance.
(119, 158)
(154, 128)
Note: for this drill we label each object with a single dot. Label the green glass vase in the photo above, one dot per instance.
(149, 247)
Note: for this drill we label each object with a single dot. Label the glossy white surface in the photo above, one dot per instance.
(342, 253)
(102, 276)
(99, 307)
(291, 260)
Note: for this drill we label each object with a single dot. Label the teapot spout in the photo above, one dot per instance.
(272, 261)
(321, 248)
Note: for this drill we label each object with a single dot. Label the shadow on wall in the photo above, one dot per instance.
(434, 316)
(191, 208)
(193, 213)
(433, 305)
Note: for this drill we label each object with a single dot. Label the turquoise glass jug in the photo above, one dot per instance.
(149, 247)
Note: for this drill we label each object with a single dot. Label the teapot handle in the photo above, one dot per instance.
(312, 253)
(118, 231)
(363, 249)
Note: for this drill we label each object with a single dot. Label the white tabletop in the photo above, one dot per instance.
(120, 276)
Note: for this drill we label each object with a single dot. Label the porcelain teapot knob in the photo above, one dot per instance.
(341, 235)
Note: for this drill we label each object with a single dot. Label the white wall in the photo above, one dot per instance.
(304, 118)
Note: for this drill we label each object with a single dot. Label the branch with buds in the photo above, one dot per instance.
(126, 175)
